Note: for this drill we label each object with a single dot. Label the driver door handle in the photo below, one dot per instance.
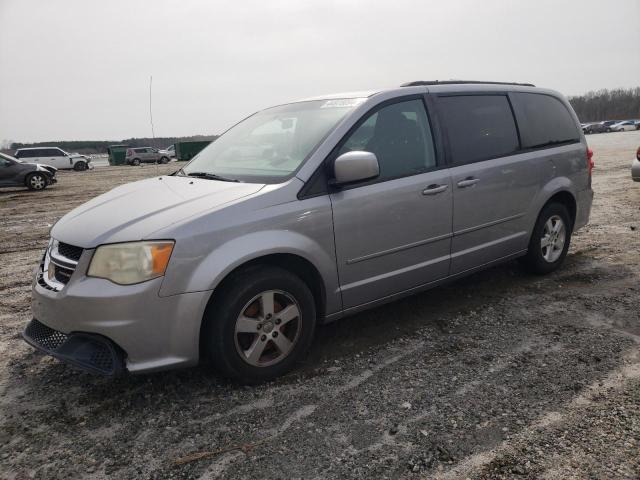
(434, 189)
(468, 182)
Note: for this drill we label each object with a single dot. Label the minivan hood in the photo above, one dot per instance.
(135, 210)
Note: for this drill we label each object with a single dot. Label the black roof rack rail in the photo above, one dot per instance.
(420, 83)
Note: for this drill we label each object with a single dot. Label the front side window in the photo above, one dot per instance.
(544, 120)
(400, 136)
(271, 145)
(479, 127)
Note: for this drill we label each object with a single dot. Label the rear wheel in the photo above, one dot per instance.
(259, 324)
(550, 239)
(36, 181)
(80, 166)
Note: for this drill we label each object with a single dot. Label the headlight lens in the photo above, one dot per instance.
(129, 263)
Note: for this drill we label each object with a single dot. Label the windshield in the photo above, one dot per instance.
(9, 157)
(271, 145)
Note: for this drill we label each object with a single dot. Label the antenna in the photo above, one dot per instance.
(150, 111)
(153, 134)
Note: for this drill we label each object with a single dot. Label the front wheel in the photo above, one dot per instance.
(36, 181)
(80, 167)
(135, 162)
(550, 239)
(164, 160)
(259, 325)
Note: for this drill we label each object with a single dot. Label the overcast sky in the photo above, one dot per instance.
(78, 69)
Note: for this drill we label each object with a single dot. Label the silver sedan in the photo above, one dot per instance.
(635, 167)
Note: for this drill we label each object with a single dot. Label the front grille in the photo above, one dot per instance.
(62, 274)
(44, 336)
(58, 265)
(69, 251)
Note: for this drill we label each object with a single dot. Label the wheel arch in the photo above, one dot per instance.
(291, 262)
(566, 198)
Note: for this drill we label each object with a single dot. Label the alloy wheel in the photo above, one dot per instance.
(553, 239)
(37, 182)
(268, 328)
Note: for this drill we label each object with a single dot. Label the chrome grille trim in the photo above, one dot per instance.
(56, 269)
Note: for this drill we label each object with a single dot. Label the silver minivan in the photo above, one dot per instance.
(304, 213)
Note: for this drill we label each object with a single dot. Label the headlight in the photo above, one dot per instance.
(129, 263)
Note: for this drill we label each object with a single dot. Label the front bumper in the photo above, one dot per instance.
(93, 353)
(152, 332)
(635, 170)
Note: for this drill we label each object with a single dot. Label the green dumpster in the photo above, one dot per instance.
(117, 153)
(188, 150)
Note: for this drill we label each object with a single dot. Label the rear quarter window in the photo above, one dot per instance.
(479, 127)
(543, 120)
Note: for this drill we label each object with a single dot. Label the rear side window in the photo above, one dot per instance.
(543, 120)
(479, 127)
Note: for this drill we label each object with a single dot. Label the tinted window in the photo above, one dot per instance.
(5, 163)
(479, 127)
(543, 120)
(26, 154)
(400, 136)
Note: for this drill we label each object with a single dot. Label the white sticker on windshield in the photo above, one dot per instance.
(343, 103)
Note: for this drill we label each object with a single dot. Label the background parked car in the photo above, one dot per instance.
(598, 127)
(635, 167)
(171, 150)
(54, 157)
(136, 156)
(15, 173)
(625, 126)
(608, 123)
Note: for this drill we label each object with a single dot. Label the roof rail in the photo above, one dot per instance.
(419, 83)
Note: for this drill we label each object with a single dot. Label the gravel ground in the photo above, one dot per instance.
(500, 375)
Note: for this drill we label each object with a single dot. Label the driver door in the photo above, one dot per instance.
(393, 233)
(9, 171)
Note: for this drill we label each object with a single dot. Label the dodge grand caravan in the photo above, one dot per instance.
(307, 212)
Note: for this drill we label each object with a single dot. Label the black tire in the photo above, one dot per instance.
(80, 166)
(36, 181)
(164, 160)
(135, 162)
(220, 341)
(534, 260)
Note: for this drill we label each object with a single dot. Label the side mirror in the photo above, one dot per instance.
(355, 166)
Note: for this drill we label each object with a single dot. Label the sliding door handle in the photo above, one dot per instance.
(468, 182)
(434, 189)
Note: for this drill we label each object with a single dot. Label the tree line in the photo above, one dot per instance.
(100, 146)
(616, 104)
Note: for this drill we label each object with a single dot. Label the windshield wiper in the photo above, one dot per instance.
(211, 176)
